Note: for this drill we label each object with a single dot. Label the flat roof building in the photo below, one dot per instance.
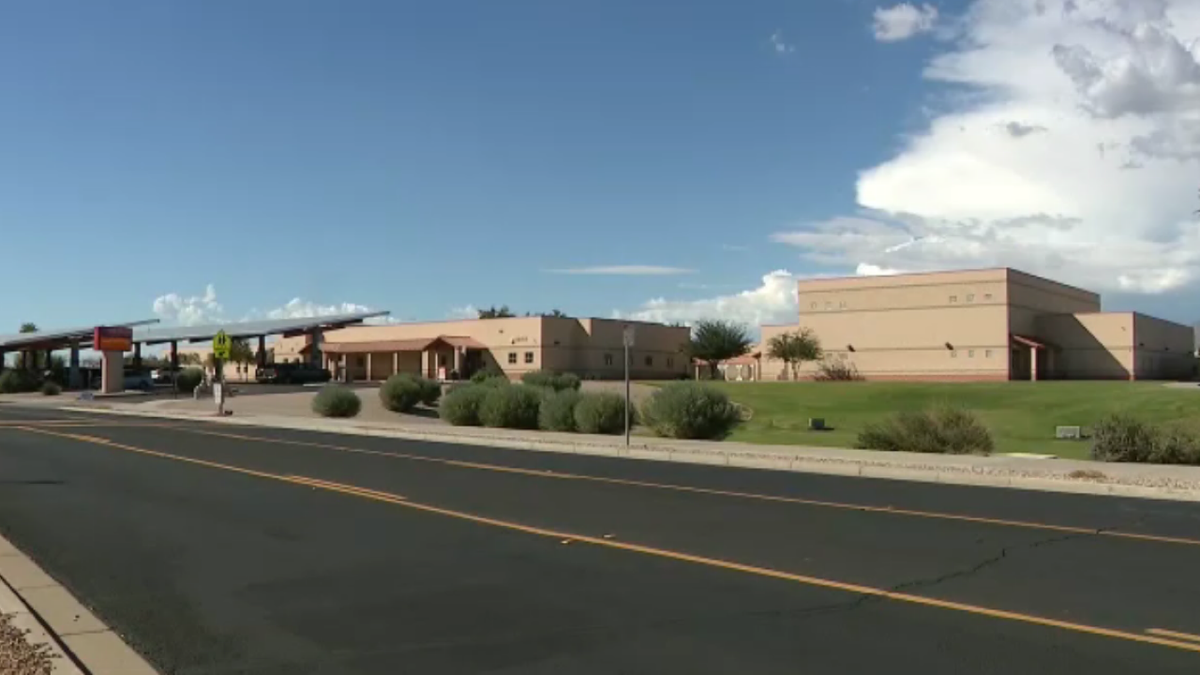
(516, 345)
(992, 324)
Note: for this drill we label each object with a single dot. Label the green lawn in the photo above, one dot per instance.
(1020, 415)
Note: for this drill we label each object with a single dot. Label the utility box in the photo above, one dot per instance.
(1068, 433)
(816, 424)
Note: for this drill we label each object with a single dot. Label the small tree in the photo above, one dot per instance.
(502, 312)
(794, 349)
(242, 354)
(29, 327)
(714, 341)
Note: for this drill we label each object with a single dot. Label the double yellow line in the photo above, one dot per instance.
(1153, 636)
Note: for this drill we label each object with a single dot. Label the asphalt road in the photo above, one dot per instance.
(220, 549)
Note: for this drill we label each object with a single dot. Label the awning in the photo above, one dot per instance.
(409, 345)
(1030, 342)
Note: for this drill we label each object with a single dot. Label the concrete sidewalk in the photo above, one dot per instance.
(1055, 475)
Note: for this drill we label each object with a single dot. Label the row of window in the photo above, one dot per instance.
(608, 359)
(970, 297)
(987, 353)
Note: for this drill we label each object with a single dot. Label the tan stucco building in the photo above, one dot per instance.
(994, 324)
(517, 345)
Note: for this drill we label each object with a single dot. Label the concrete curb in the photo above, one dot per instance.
(80, 642)
(982, 472)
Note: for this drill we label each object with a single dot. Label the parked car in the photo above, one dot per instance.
(292, 373)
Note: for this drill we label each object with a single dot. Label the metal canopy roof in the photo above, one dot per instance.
(160, 334)
(52, 338)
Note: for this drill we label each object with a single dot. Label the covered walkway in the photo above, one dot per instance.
(444, 357)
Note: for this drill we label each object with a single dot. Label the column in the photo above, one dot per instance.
(424, 363)
(2, 355)
(112, 372)
(137, 356)
(370, 373)
(314, 356)
(395, 363)
(459, 352)
(174, 355)
(346, 369)
(1033, 354)
(262, 352)
(73, 379)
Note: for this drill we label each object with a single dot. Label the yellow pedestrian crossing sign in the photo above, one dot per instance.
(222, 344)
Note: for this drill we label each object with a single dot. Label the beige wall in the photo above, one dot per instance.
(1029, 297)
(1164, 349)
(1091, 346)
(949, 325)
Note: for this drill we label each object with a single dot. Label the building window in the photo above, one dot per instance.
(512, 358)
(842, 304)
(970, 297)
(987, 296)
(812, 306)
(987, 353)
(649, 361)
(954, 298)
(670, 362)
(954, 353)
(528, 357)
(970, 353)
(608, 360)
(829, 305)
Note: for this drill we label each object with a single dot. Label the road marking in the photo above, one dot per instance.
(720, 493)
(859, 589)
(1173, 634)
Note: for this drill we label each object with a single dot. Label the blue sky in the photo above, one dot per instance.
(423, 157)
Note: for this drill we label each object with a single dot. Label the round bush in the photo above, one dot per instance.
(188, 378)
(510, 408)
(943, 429)
(602, 413)
(690, 410)
(50, 388)
(551, 380)
(401, 393)
(336, 401)
(558, 411)
(489, 373)
(460, 406)
(17, 381)
(431, 391)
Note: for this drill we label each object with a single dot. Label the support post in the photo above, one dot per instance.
(627, 392)
(174, 355)
(314, 356)
(459, 354)
(262, 352)
(112, 372)
(137, 356)
(370, 372)
(345, 369)
(1033, 359)
(395, 363)
(73, 379)
(425, 363)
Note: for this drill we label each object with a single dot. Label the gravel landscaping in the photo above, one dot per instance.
(17, 656)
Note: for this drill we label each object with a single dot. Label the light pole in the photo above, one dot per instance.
(627, 340)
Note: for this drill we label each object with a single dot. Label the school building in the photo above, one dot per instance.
(993, 324)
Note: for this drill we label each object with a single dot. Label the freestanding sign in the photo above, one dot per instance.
(222, 345)
(112, 342)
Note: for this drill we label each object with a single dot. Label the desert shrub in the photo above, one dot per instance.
(600, 413)
(557, 412)
(336, 401)
(690, 410)
(837, 370)
(941, 430)
(1121, 438)
(188, 378)
(513, 407)
(401, 393)
(489, 373)
(551, 380)
(50, 388)
(460, 406)
(431, 391)
(17, 381)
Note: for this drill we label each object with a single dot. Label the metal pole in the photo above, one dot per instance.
(626, 393)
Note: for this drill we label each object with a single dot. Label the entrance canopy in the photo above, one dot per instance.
(59, 339)
(153, 335)
(409, 345)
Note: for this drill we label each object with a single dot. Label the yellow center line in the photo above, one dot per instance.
(1173, 634)
(859, 589)
(719, 493)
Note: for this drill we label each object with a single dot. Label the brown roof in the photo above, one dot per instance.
(409, 345)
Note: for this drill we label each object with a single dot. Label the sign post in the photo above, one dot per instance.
(627, 340)
(222, 347)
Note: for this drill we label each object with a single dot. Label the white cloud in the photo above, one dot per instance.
(189, 311)
(903, 21)
(467, 311)
(774, 301)
(624, 270)
(779, 45)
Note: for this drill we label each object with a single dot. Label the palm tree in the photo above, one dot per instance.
(716, 341)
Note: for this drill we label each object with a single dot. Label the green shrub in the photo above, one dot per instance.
(431, 391)
(17, 381)
(557, 412)
(513, 407)
(336, 401)
(941, 430)
(188, 378)
(401, 393)
(1121, 438)
(551, 380)
(600, 413)
(50, 388)
(489, 373)
(837, 370)
(460, 406)
(690, 410)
